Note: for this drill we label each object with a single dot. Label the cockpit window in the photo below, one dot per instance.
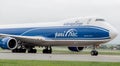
(100, 20)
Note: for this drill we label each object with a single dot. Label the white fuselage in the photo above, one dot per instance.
(73, 32)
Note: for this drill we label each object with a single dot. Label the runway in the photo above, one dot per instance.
(59, 57)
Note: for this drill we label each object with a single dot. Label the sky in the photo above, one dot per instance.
(31, 11)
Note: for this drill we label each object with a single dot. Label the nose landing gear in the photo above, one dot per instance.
(94, 52)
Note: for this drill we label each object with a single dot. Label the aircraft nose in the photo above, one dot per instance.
(113, 33)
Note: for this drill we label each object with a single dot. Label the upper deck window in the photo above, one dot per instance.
(100, 20)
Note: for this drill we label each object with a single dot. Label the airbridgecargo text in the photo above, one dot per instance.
(69, 33)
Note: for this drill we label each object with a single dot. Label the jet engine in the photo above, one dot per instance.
(75, 49)
(8, 43)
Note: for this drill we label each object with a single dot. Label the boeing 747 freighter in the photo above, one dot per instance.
(75, 33)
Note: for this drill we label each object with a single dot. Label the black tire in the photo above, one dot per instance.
(45, 51)
(32, 51)
(14, 51)
(94, 53)
(19, 50)
(22, 50)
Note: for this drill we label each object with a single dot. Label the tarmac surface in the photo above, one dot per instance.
(59, 57)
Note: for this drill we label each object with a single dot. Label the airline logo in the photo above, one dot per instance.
(68, 33)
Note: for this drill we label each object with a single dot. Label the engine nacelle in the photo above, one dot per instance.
(8, 43)
(75, 49)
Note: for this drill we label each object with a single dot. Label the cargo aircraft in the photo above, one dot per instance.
(75, 33)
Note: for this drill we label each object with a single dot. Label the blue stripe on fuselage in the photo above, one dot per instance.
(61, 32)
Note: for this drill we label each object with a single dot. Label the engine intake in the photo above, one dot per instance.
(75, 49)
(8, 43)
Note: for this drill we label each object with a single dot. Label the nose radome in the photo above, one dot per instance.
(113, 33)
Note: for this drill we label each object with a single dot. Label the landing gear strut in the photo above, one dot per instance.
(47, 50)
(22, 49)
(94, 52)
(19, 49)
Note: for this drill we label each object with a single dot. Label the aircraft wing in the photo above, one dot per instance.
(26, 39)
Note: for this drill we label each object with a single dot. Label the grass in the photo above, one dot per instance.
(54, 63)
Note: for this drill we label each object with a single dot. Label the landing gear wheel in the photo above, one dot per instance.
(14, 51)
(32, 51)
(19, 50)
(23, 50)
(94, 53)
(47, 50)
